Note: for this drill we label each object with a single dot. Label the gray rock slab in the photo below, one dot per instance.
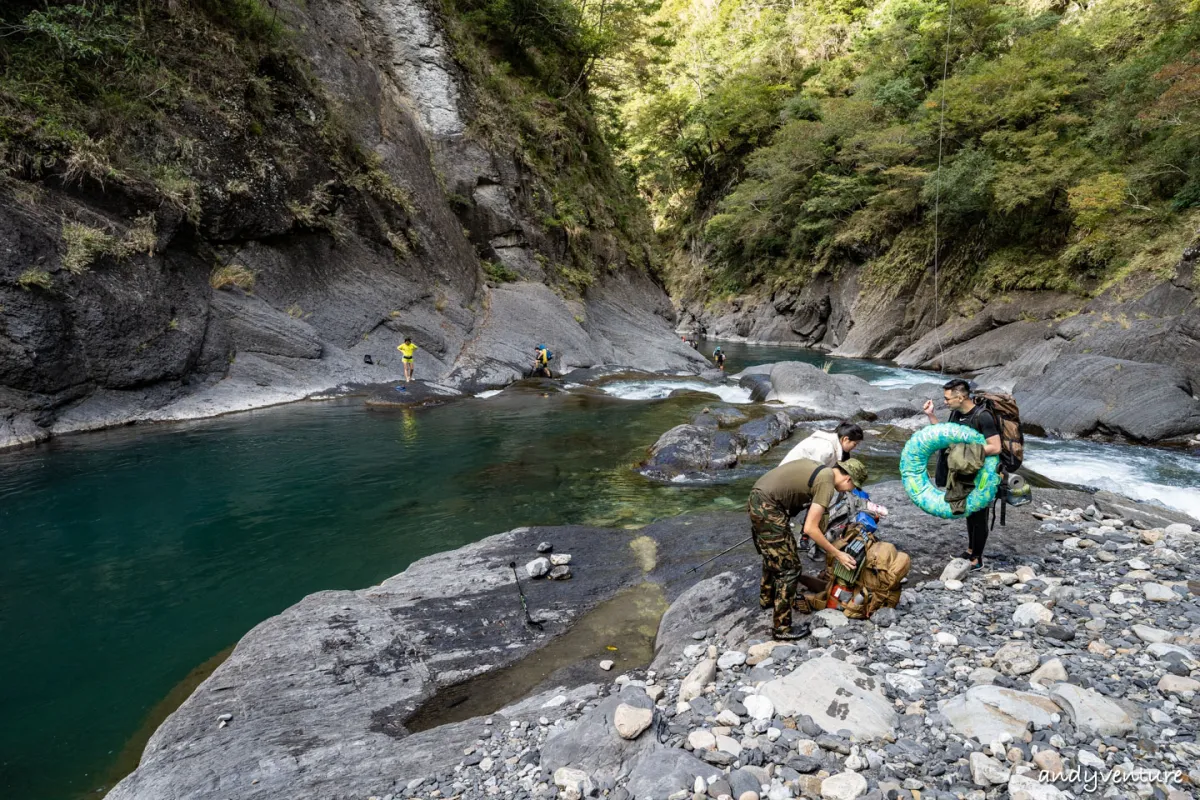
(663, 771)
(837, 695)
(984, 712)
(1085, 394)
(1093, 713)
(593, 744)
(320, 694)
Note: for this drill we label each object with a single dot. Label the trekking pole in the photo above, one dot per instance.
(525, 606)
(718, 555)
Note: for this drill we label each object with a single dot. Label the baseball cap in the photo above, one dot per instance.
(856, 469)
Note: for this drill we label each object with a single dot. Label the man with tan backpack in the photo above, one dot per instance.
(876, 580)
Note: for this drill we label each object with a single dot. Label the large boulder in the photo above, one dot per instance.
(692, 448)
(703, 446)
(1089, 394)
(764, 433)
(797, 383)
(662, 772)
(759, 384)
(985, 712)
(838, 696)
(594, 745)
(801, 384)
(1093, 713)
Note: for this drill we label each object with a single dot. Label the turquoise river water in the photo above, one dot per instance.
(129, 558)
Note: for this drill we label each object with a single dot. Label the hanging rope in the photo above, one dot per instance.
(937, 195)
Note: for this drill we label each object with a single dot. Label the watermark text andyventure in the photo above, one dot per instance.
(1093, 779)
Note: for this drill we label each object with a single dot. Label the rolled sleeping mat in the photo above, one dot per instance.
(1015, 482)
(914, 469)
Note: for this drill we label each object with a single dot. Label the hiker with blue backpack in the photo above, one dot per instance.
(541, 362)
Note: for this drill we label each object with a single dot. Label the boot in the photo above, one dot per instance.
(791, 634)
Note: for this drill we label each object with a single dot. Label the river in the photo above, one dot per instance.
(130, 557)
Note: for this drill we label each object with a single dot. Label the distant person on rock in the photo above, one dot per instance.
(802, 488)
(541, 362)
(719, 357)
(966, 411)
(407, 350)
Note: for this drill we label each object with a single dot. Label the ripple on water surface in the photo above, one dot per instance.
(1151, 474)
(658, 390)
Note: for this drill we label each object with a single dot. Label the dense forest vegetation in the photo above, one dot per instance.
(787, 139)
(101, 95)
(771, 141)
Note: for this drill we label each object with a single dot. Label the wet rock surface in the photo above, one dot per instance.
(696, 451)
(727, 706)
(1018, 337)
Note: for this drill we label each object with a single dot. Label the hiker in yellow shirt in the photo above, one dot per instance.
(407, 350)
(541, 362)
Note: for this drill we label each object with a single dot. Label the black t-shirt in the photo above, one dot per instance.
(978, 418)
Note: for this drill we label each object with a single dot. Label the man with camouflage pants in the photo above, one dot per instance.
(789, 489)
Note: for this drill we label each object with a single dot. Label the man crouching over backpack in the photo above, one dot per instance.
(801, 488)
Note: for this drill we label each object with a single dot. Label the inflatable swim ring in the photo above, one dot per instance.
(914, 469)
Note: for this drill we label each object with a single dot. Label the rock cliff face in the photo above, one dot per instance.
(316, 270)
(1006, 343)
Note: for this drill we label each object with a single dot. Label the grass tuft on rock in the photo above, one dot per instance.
(232, 275)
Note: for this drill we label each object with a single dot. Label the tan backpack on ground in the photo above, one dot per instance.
(879, 581)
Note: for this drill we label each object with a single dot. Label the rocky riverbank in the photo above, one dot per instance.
(317, 701)
(1077, 396)
(1072, 672)
(314, 702)
(724, 438)
(353, 203)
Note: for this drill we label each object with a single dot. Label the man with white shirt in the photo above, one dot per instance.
(828, 447)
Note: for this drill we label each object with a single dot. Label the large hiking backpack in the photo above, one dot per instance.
(880, 575)
(1008, 421)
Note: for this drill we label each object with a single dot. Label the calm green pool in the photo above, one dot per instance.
(128, 558)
